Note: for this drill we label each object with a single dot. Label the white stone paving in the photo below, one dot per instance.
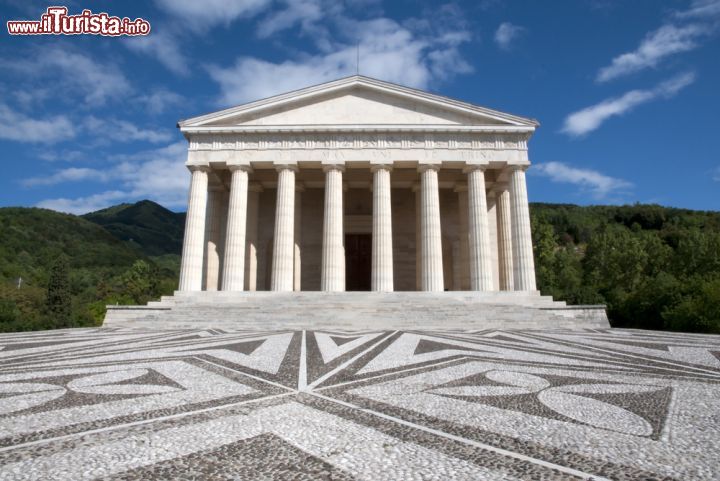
(372, 405)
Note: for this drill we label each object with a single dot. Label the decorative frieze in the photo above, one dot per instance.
(400, 141)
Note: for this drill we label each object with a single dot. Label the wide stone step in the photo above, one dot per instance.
(358, 310)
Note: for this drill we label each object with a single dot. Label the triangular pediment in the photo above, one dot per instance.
(356, 101)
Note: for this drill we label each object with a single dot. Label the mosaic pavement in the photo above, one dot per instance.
(217, 405)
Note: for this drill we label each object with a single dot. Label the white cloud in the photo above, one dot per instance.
(157, 174)
(657, 45)
(122, 131)
(599, 185)
(32, 97)
(305, 12)
(64, 155)
(189, 17)
(161, 100)
(716, 174)
(22, 128)
(590, 118)
(506, 34)
(74, 72)
(164, 46)
(164, 180)
(200, 16)
(702, 9)
(83, 205)
(19, 127)
(388, 51)
(72, 174)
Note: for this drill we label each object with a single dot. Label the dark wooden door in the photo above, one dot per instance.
(358, 261)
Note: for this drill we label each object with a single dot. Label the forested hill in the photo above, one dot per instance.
(147, 225)
(655, 267)
(125, 254)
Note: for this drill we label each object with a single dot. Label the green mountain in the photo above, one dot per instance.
(126, 254)
(654, 267)
(151, 227)
(32, 238)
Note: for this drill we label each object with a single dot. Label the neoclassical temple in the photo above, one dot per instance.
(354, 185)
(358, 184)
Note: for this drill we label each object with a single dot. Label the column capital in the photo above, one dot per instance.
(472, 167)
(245, 167)
(522, 167)
(425, 167)
(198, 168)
(280, 167)
(329, 167)
(375, 167)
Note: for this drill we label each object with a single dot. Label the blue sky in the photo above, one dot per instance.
(627, 93)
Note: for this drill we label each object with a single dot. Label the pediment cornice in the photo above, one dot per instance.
(467, 117)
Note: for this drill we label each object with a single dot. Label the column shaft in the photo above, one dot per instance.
(297, 251)
(464, 260)
(382, 256)
(283, 241)
(333, 250)
(251, 251)
(222, 215)
(234, 262)
(210, 255)
(523, 262)
(191, 266)
(431, 234)
(504, 239)
(479, 233)
(418, 238)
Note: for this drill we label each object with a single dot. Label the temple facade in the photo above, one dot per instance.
(358, 185)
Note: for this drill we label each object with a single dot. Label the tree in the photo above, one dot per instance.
(58, 301)
(9, 313)
(699, 311)
(141, 282)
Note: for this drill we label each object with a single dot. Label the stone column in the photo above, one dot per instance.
(211, 257)
(297, 251)
(382, 255)
(234, 263)
(281, 278)
(191, 266)
(333, 250)
(492, 227)
(504, 239)
(251, 250)
(222, 213)
(430, 232)
(418, 238)
(463, 261)
(523, 262)
(478, 231)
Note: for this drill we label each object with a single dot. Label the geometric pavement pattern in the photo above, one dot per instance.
(130, 404)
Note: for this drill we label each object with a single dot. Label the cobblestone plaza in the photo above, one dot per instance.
(491, 404)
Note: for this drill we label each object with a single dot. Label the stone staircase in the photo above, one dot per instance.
(357, 311)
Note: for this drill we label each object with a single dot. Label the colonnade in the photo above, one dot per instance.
(515, 253)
